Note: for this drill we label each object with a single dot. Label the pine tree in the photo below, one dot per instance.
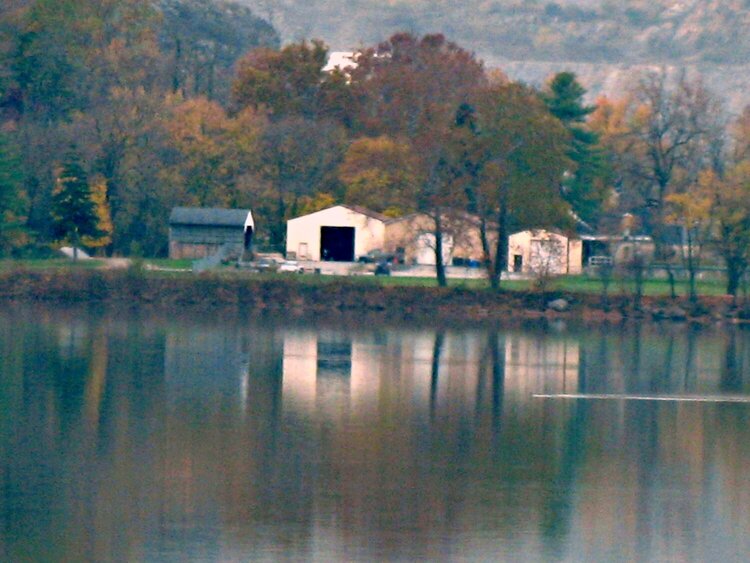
(74, 212)
(586, 187)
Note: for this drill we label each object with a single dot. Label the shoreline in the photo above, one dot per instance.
(346, 298)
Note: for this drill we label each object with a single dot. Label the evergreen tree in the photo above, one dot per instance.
(11, 201)
(585, 188)
(74, 211)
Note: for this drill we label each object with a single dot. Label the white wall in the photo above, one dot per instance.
(305, 231)
(540, 249)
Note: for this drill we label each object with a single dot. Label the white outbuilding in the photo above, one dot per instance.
(341, 233)
(543, 252)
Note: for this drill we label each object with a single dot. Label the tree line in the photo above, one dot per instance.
(171, 103)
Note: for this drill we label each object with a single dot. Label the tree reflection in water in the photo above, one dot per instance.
(149, 437)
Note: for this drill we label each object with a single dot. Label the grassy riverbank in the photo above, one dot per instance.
(310, 295)
(565, 284)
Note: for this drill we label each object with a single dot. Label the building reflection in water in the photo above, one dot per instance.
(156, 439)
(340, 372)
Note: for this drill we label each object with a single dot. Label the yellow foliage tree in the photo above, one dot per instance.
(104, 217)
(692, 210)
(380, 173)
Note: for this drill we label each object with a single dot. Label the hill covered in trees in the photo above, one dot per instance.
(600, 40)
(632, 31)
(114, 111)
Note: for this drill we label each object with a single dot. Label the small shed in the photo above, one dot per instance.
(539, 251)
(197, 232)
(338, 234)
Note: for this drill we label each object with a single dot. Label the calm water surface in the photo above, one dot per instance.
(127, 437)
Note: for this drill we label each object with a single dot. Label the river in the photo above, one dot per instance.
(135, 436)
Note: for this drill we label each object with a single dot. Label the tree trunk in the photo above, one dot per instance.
(734, 275)
(670, 278)
(439, 266)
(486, 252)
(75, 245)
(693, 292)
(501, 251)
(176, 70)
(278, 232)
(437, 352)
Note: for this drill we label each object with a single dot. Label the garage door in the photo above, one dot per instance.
(337, 244)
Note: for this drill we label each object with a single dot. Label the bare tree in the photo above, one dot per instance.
(673, 128)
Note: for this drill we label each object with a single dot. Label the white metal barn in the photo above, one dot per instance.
(337, 234)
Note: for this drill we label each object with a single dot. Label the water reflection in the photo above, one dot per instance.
(181, 439)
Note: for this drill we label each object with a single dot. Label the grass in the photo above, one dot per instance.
(655, 287)
(169, 263)
(568, 284)
(49, 264)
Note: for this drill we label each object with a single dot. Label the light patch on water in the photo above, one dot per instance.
(669, 398)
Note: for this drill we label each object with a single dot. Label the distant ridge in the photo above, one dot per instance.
(604, 41)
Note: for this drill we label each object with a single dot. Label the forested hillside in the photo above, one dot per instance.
(114, 111)
(631, 31)
(99, 82)
(603, 41)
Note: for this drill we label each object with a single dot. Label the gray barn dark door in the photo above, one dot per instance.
(337, 244)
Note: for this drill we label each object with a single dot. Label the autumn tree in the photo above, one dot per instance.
(691, 211)
(215, 152)
(74, 211)
(729, 189)
(586, 185)
(287, 82)
(381, 174)
(670, 129)
(75, 69)
(299, 159)
(103, 216)
(410, 88)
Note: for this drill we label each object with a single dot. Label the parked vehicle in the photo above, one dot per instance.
(265, 265)
(291, 266)
(375, 257)
(383, 269)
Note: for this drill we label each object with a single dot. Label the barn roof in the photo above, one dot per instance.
(355, 208)
(365, 211)
(210, 216)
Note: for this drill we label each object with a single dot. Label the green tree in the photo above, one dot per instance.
(74, 211)
(586, 185)
(512, 153)
(11, 200)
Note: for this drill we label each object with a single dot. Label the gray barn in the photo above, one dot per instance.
(197, 232)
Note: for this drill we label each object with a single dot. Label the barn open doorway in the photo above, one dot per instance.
(248, 238)
(337, 244)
